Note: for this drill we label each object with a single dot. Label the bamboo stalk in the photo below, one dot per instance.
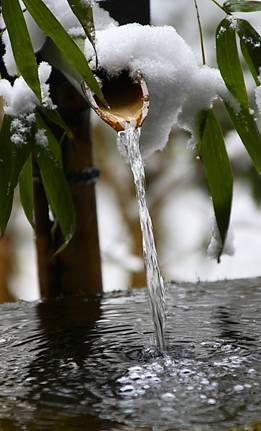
(1, 110)
(77, 270)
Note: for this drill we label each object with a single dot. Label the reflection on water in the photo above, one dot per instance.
(89, 364)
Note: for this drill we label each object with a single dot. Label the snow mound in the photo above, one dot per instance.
(178, 87)
(19, 99)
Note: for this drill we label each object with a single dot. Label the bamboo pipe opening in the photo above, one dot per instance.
(128, 100)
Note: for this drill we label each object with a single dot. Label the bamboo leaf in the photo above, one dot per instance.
(242, 6)
(52, 28)
(6, 192)
(21, 44)
(250, 41)
(217, 170)
(12, 160)
(84, 13)
(228, 61)
(53, 145)
(26, 190)
(53, 116)
(55, 184)
(246, 126)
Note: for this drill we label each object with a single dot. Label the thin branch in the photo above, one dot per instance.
(221, 7)
(201, 34)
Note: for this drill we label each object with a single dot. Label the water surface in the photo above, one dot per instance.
(90, 364)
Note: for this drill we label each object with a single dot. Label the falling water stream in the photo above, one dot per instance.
(128, 142)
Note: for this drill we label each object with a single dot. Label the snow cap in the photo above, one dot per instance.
(178, 87)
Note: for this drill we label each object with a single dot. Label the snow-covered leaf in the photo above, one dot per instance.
(228, 60)
(52, 28)
(26, 190)
(12, 160)
(245, 124)
(242, 6)
(54, 181)
(21, 44)
(250, 41)
(53, 145)
(217, 169)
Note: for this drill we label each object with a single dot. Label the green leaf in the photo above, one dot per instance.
(6, 192)
(53, 144)
(217, 169)
(84, 13)
(12, 160)
(21, 44)
(54, 117)
(247, 129)
(55, 184)
(250, 41)
(52, 28)
(228, 60)
(26, 190)
(242, 6)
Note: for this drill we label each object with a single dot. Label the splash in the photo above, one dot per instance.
(128, 143)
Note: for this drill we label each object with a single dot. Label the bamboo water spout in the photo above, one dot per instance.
(128, 101)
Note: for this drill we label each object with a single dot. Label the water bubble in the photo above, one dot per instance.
(135, 376)
(168, 396)
(123, 379)
(211, 401)
(238, 388)
(127, 389)
(185, 371)
(155, 380)
(204, 381)
(146, 386)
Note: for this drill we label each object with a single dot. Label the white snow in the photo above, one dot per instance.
(37, 38)
(21, 127)
(41, 138)
(258, 98)
(20, 103)
(19, 99)
(178, 87)
(65, 16)
(44, 73)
